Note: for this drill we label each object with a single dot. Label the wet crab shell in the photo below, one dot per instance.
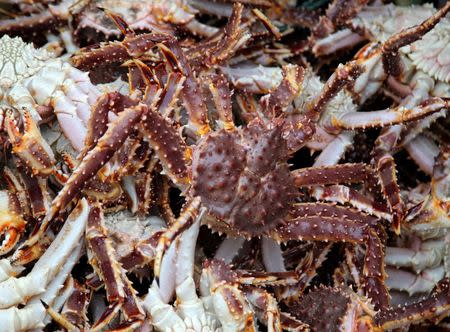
(243, 177)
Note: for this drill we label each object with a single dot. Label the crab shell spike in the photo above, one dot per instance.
(388, 117)
(103, 258)
(191, 93)
(168, 145)
(30, 146)
(390, 48)
(184, 221)
(342, 173)
(289, 88)
(433, 308)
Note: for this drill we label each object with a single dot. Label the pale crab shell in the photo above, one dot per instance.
(382, 21)
(432, 53)
(32, 77)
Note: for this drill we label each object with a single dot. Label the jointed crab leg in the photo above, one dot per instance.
(318, 228)
(191, 93)
(184, 221)
(341, 173)
(434, 308)
(391, 56)
(114, 137)
(119, 292)
(391, 116)
(16, 290)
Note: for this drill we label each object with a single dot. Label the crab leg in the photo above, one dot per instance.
(75, 308)
(107, 145)
(434, 308)
(191, 93)
(221, 94)
(341, 173)
(16, 290)
(169, 146)
(307, 271)
(342, 194)
(118, 287)
(390, 49)
(265, 306)
(384, 164)
(318, 228)
(289, 88)
(184, 221)
(12, 224)
(29, 146)
(391, 116)
(228, 249)
(413, 282)
(424, 152)
(103, 258)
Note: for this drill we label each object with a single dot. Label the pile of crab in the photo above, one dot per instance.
(196, 165)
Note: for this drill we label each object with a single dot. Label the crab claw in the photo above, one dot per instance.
(12, 225)
(30, 146)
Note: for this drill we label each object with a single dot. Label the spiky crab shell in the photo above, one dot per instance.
(243, 178)
(333, 309)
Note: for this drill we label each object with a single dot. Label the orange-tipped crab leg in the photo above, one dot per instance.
(12, 225)
(30, 146)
